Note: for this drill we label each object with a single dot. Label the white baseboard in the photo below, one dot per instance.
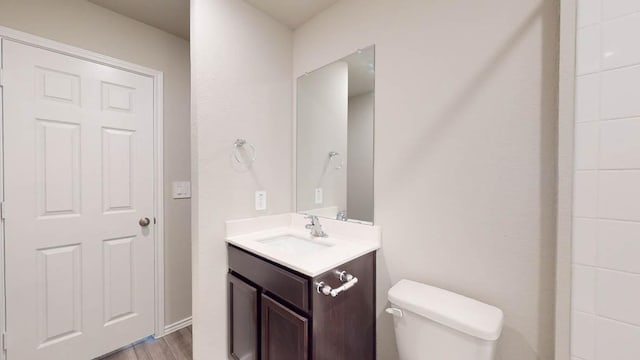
(177, 326)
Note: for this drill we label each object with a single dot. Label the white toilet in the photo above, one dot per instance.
(436, 324)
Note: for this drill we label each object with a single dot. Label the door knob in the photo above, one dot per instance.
(144, 222)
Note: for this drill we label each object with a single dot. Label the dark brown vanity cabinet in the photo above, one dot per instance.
(279, 314)
(285, 334)
(243, 319)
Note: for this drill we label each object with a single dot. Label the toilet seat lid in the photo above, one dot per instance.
(456, 311)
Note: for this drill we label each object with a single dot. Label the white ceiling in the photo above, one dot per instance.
(292, 13)
(171, 16)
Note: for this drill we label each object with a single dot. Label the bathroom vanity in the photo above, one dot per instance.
(300, 287)
(295, 297)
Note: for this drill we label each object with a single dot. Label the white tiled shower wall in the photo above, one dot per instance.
(606, 230)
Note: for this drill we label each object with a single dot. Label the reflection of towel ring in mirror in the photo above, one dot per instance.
(336, 158)
(249, 150)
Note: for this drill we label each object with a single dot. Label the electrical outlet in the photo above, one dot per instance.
(261, 200)
(318, 196)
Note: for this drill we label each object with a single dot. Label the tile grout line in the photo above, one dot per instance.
(598, 267)
(620, 322)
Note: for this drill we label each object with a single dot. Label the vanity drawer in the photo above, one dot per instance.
(286, 285)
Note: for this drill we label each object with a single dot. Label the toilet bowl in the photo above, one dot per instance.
(435, 324)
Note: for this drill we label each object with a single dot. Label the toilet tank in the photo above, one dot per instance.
(436, 324)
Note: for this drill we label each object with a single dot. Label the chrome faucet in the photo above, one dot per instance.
(315, 227)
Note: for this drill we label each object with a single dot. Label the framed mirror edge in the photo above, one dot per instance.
(296, 142)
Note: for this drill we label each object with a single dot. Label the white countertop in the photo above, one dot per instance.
(346, 241)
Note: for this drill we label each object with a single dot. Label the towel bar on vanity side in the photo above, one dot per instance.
(348, 280)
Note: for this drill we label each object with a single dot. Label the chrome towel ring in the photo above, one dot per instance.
(244, 152)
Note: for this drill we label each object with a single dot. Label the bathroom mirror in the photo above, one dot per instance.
(334, 144)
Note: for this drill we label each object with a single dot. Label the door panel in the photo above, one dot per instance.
(60, 297)
(118, 269)
(243, 320)
(57, 177)
(285, 334)
(78, 176)
(54, 85)
(117, 170)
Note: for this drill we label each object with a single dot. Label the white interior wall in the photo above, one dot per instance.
(465, 149)
(91, 27)
(606, 226)
(360, 157)
(566, 121)
(322, 128)
(241, 86)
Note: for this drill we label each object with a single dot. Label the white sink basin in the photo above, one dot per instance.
(284, 240)
(295, 245)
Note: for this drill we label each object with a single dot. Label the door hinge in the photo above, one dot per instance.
(3, 210)
(4, 341)
(1, 77)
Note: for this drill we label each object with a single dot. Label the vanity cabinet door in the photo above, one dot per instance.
(285, 334)
(243, 320)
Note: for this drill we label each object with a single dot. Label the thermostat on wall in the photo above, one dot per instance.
(181, 189)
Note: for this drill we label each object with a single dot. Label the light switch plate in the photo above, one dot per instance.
(181, 189)
(318, 196)
(261, 200)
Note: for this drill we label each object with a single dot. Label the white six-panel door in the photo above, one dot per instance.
(78, 179)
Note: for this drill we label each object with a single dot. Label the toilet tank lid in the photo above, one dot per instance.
(459, 312)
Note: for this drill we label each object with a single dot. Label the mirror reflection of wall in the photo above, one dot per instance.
(335, 132)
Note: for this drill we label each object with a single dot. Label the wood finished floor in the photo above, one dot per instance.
(175, 346)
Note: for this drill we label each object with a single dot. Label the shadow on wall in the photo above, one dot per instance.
(452, 111)
(513, 344)
(385, 333)
(517, 342)
(549, 172)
